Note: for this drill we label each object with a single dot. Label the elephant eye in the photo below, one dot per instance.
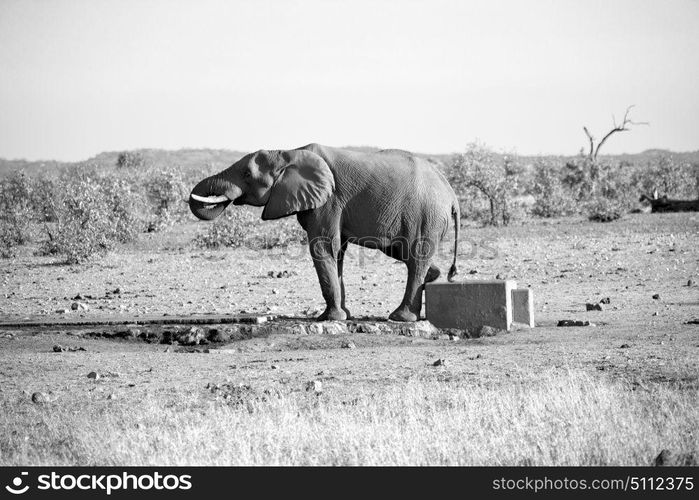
(247, 174)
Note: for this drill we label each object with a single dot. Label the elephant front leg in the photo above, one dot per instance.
(324, 252)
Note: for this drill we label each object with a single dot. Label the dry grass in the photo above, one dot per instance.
(558, 418)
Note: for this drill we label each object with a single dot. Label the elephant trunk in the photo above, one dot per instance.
(211, 196)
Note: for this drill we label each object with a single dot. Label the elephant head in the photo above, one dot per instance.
(284, 182)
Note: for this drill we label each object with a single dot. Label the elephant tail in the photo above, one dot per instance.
(455, 213)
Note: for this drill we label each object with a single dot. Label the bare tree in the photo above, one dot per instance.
(588, 177)
(623, 127)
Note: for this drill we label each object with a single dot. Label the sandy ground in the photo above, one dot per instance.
(566, 262)
(637, 338)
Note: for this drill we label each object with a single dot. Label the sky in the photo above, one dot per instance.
(85, 76)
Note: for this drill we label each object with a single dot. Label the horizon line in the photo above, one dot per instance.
(244, 151)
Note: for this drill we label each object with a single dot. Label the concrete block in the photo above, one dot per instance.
(470, 304)
(523, 306)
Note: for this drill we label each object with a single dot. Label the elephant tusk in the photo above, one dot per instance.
(210, 199)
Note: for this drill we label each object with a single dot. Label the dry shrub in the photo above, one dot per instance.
(90, 208)
(242, 226)
(484, 179)
(93, 214)
(551, 198)
(166, 191)
(131, 160)
(17, 200)
(604, 210)
(10, 238)
(670, 177)
(230, 230)
(602, 190)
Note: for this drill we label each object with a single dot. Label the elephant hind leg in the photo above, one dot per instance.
(432, 274)
(409, 309)
(398, 251)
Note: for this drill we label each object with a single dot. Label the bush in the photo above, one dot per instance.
(124, 208)
(603, 190)
(15, 193)
(90, 208)
(223, 233)
(480, 173)
(604, 210)
(131, 160)
(670, 177)
(45, 192)
(93, 214)
(165, 190)
(287, 232)
(580, 177)
(551, 198)
(17, 211)
(242, 226)
(617, 185)
(10, 238)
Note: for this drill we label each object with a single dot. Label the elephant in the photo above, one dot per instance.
(389, 200)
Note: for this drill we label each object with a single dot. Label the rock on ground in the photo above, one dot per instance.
(423, 329)
(39, 398)
(667, 458)
(315, 386)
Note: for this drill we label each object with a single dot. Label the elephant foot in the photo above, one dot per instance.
(347, 312)
(432, 274)
(403, 314)
(333, 315)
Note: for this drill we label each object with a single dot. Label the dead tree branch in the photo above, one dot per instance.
(622, 127)
(592, 141)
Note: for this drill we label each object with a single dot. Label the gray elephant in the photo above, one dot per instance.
(390, 200)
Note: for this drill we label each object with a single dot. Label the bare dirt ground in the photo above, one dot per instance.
(637, 338)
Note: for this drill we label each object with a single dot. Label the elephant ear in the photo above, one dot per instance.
(306, 182)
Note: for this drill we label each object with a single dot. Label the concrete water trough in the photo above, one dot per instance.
(471, 304)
